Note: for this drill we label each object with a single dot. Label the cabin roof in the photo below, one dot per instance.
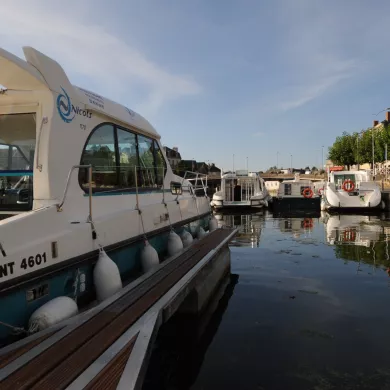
(39, 72)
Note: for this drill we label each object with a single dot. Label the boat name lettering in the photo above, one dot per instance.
(67, 110)
(32, 261)
(7, 269)
(94, 99)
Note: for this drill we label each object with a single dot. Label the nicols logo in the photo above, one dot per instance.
(67, 110)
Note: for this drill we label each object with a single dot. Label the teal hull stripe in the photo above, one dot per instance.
(16, 173)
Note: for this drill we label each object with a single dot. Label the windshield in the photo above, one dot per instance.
(17, 147)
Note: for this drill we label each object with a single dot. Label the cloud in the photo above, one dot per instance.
(92, 53)
(314, 89)
(314, 55)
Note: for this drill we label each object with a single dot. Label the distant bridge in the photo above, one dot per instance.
(275, 177)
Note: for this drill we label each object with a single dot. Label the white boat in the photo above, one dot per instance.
(360, 230)
(241, 189)
(249, 225)
(351, 190)
(82, 173)
(297, 195)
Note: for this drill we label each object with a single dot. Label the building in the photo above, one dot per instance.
(214, 172)
(173, 156)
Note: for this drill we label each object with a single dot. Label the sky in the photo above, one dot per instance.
(263, 81)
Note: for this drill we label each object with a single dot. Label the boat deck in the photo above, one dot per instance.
(108, 346)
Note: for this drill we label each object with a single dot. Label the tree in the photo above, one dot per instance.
(314, 169)
(343, 150)
(273, 169)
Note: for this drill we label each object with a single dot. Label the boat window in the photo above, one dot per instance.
(17, 147)
(128, 158)
(339, 180)
(304, 188)
(287, 189)
(100, 153)
(146, 162)
(117, 155)
(160, 164)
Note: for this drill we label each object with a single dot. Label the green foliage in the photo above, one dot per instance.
(349, 149)
(273, 169)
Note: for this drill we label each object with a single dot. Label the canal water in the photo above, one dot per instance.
(307, 306)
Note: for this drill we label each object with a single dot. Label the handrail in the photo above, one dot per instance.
(198, 176)
(43, 122)
(59, 206)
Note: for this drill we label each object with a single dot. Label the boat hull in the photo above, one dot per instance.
(295, 204)
(75, 278)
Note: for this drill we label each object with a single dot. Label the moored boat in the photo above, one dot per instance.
(78, 173)
(351, 190)
(241, 189)
(297, 195)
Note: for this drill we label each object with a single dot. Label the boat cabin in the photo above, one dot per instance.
(349, 179)
(240, 186)
(17, 149)
(296, 188)
(49, 126)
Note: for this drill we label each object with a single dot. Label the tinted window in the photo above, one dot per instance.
(117, 155)
(160, 164)
(100, 153)
(146, 162)
(128, 160)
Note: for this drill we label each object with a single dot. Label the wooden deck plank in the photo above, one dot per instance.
(110, 376)
(12, 355)
(63, 362)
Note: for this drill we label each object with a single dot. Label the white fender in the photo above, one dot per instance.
(186, 238)
(175, 244)
(149, 257)
(201, 233)
(323, 205)
(213, 224)
(106, 277)
(52, 312)
(193, 229)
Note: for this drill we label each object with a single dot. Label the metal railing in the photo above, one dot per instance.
(198, 181)
(59, 206)
(109, 179)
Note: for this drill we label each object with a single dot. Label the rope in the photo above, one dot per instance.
(197, 210)
(75, 283)
(97, 235)
(181, 216)
(15, 329)
(169, 218)
(142, 223)
(34, 327)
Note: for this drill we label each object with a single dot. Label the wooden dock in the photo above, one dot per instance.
(108, 346)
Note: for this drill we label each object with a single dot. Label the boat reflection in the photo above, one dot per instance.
(362, 230)
(249, 225)
(182, 343)
(296, 226)
(360, 238)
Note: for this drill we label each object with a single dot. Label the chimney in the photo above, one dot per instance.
(387, 116)
(375, 123)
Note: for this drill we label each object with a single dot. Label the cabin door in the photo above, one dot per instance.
(17, 149)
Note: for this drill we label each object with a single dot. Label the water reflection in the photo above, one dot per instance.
(360, 238)
(183, 341)
(249, 225)
(310, 310)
